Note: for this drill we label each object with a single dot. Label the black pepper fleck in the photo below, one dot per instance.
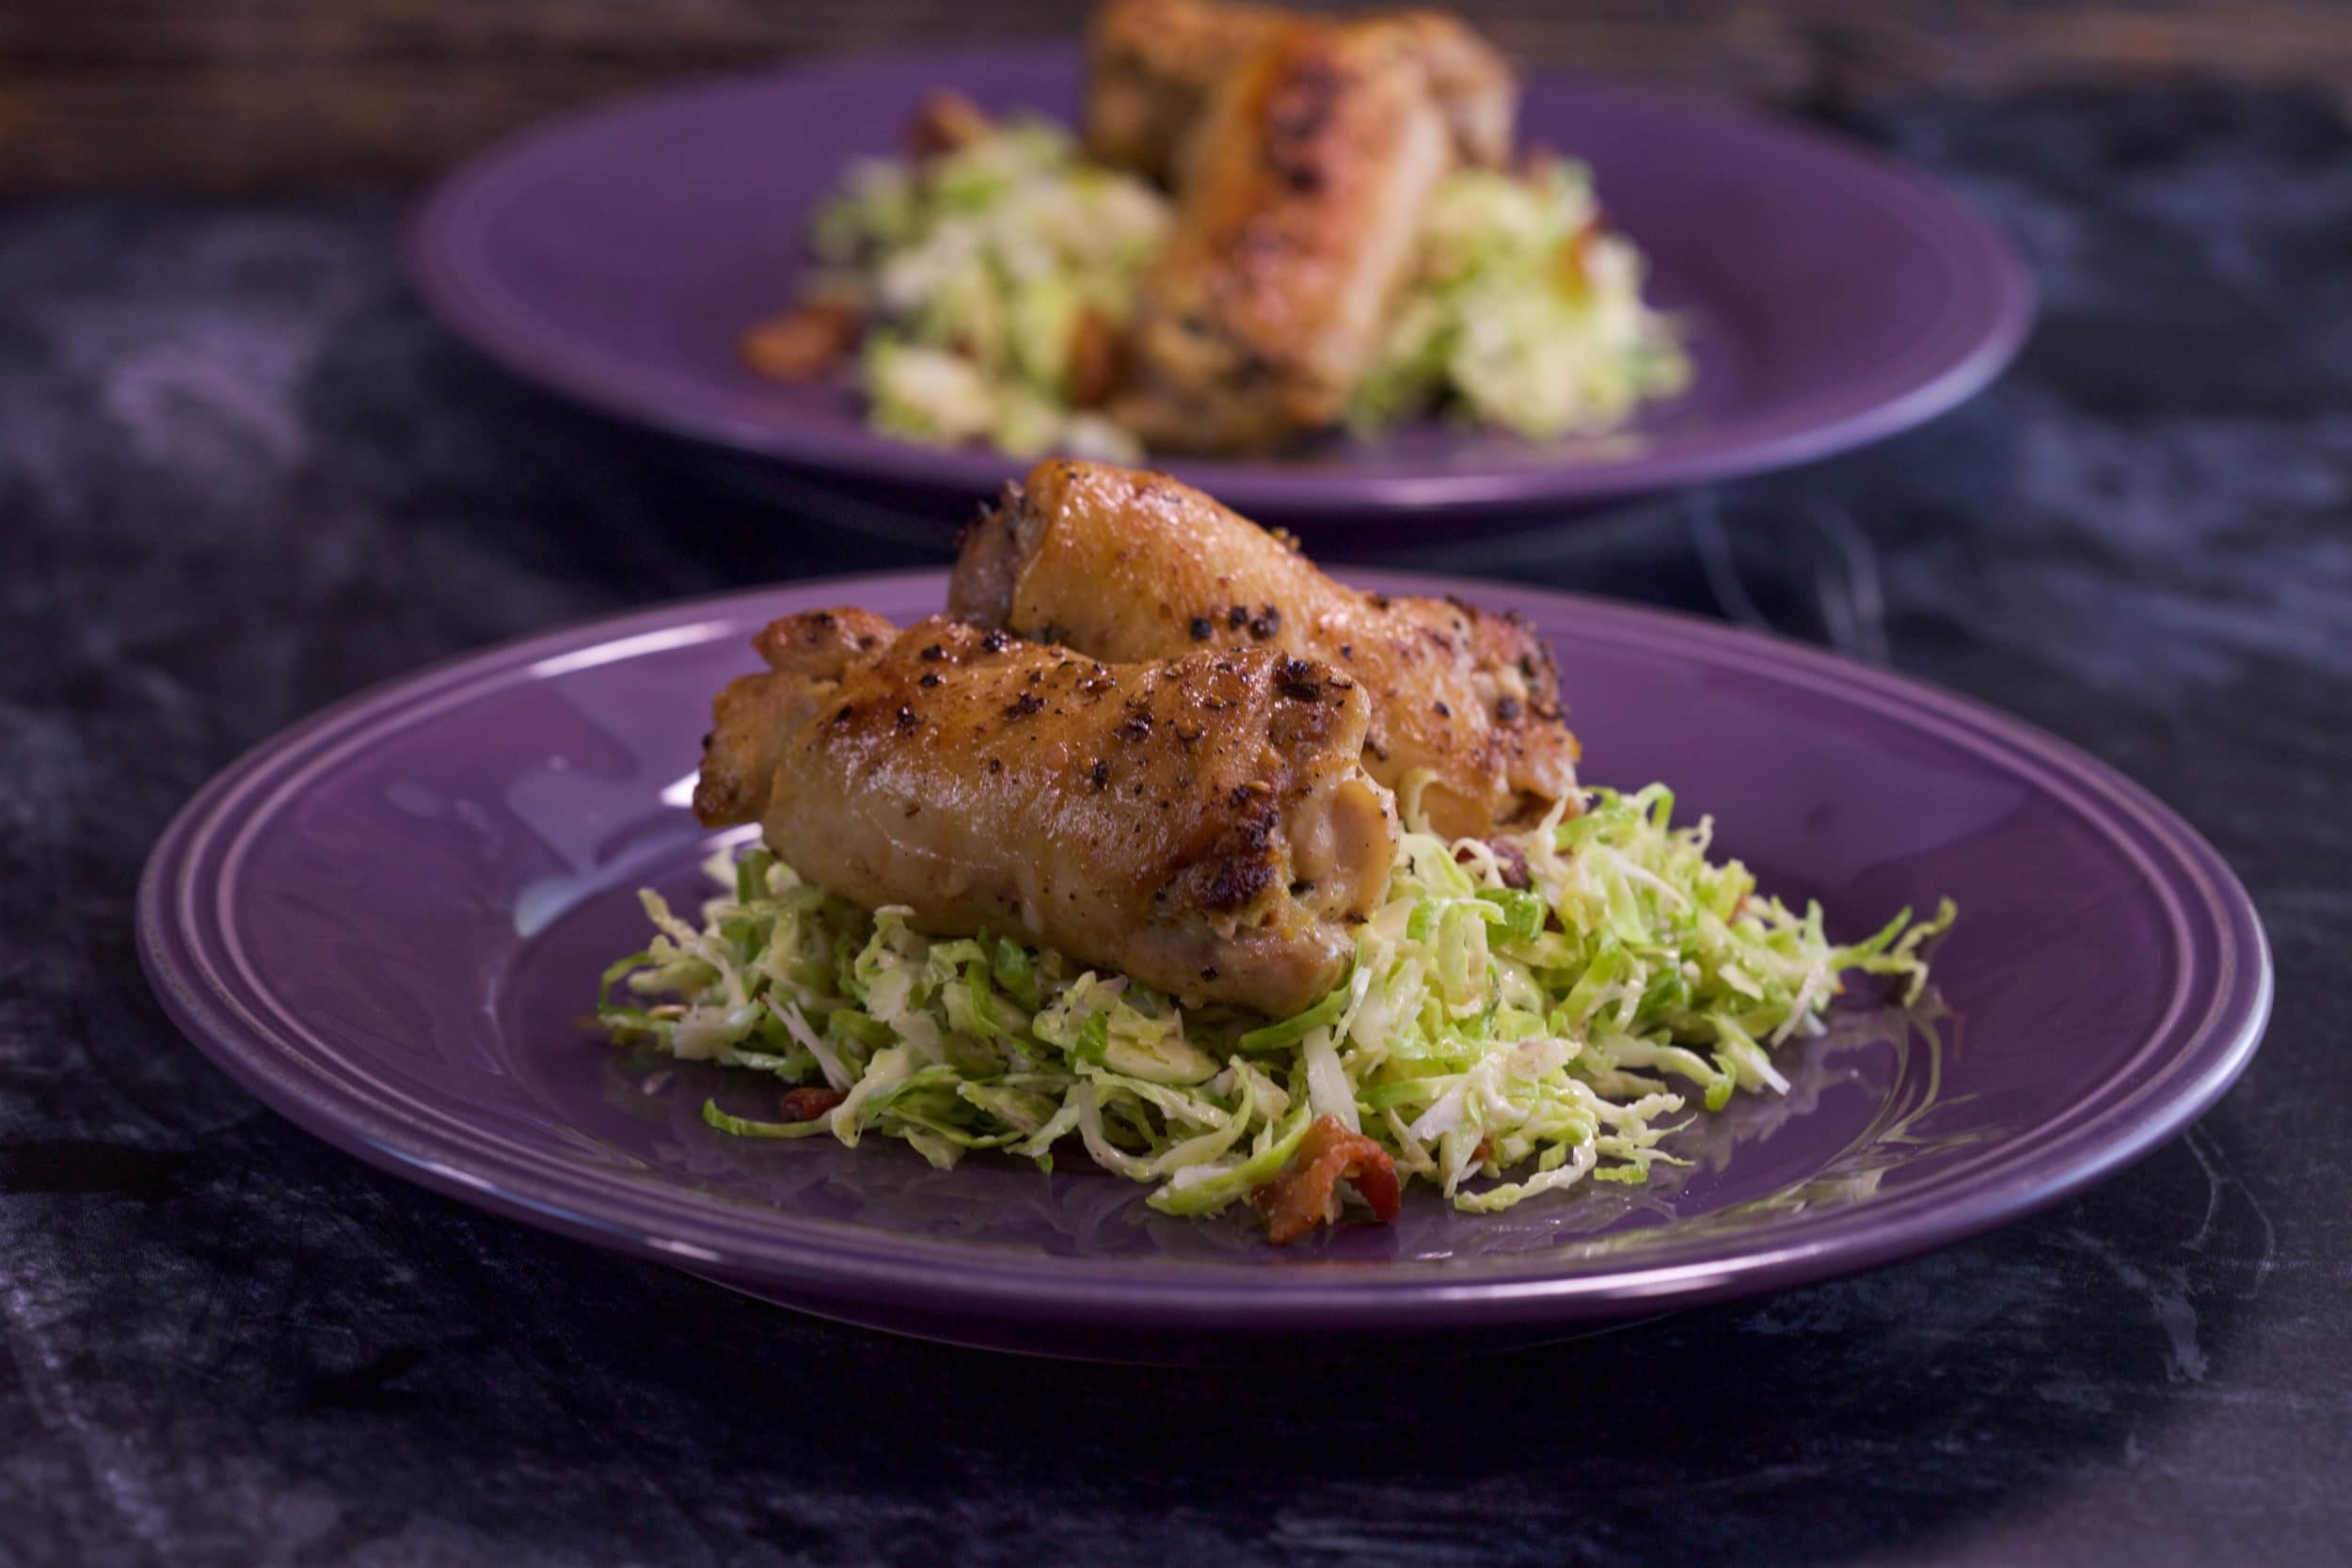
(994, 643)
(1202, 628)
(1268, 622)
(1506, 708)
(907, 722)
(1296, 679)
(1024, 705)
(1237, 617)
(1444, 712)
(934, 652)
(930, 679)
(1101, 774)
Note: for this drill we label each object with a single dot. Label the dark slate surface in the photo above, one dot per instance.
(240, 476)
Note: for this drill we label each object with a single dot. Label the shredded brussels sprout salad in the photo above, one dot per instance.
(975, 269)
(1525, 312)
(1498, 1041)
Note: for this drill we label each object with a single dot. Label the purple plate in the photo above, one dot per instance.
(615, 255)
(388, 923)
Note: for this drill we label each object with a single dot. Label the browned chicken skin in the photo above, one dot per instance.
(1156, 63)
(1299, 209)
(1203, 824)
(1124, 564)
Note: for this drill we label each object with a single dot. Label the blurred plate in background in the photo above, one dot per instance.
(616, 255)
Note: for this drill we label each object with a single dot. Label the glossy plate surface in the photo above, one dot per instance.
(388, 923)
(614, 256)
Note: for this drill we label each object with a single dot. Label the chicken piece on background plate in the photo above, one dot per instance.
(1299, 212)
(1203, 824)
(1156, 64)
(1123, 565)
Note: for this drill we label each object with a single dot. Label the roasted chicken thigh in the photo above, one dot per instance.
(1156, 63)
(1202, 823)
(1300, 211)
(1122, 565)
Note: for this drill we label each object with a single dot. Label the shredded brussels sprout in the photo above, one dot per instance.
(973, 269)
(1498, 1041)
(1525, 312)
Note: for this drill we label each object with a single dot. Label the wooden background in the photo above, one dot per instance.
(230, 94)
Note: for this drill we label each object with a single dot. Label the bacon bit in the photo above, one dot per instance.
(1509, 856)
(810, 1104)
(946, 122)
(1093, 360)
(1576, 275)
(1305, 1192)
(803, 343)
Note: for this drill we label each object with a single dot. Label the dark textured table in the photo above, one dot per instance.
(241, 476)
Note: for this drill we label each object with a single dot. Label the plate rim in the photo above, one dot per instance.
(1997, 316)
(877, 1269)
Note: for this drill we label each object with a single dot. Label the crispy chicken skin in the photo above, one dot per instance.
(1203, 824)
(1152, 67)
(754, 717)
(1298, 212)
(1476, 89)
(1156, 63)
(1124, 564)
